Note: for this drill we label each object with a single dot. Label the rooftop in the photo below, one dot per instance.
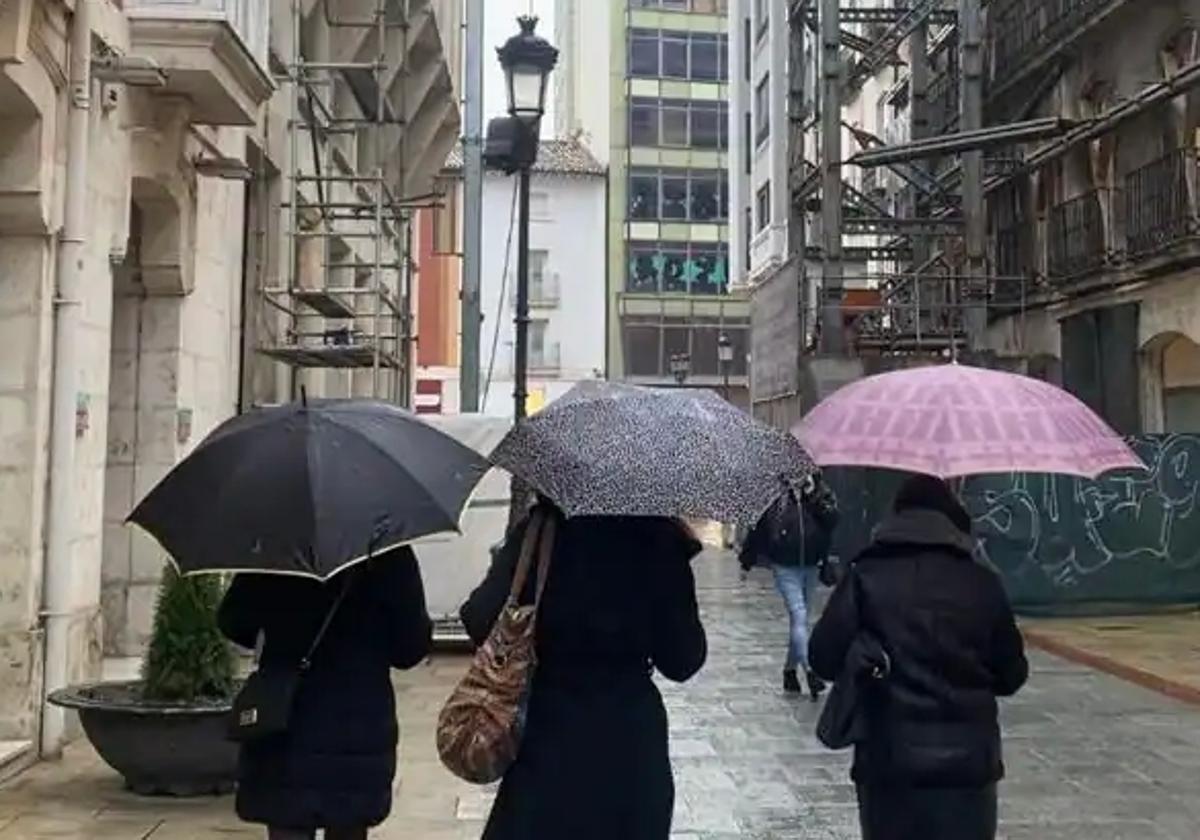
(555, 157)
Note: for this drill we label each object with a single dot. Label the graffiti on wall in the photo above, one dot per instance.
(1127, 536)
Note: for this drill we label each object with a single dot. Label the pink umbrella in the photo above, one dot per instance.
(954, 420)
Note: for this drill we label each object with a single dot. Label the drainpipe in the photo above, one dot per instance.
(58, 608)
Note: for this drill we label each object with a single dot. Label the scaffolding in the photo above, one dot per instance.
(347, 267)
(938, 222)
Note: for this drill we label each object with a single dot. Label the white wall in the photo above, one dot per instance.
(583, 81)
(769, 160)
(571, 229)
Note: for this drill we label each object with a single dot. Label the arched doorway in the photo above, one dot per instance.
(1180, 368)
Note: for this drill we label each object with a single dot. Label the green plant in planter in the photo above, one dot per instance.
(188, 659)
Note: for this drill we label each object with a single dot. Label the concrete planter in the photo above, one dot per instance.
(160, 749)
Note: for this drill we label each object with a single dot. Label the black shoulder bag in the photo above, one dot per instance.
(263, 708)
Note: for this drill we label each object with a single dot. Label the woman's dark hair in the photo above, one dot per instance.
(925, 492)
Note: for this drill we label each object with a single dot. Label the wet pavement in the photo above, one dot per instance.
(1090, 757)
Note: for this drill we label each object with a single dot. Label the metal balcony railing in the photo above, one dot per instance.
(1021, 29)
(1079, 235)
(545, 359)
(1012, 247)
(249, 19)
(544, 290)
(1161, 203)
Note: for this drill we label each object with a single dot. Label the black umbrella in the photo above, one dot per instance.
(309, 489)
(606, 449)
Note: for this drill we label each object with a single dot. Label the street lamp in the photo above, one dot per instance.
(681, 366)
(527, 59)
(725, 357)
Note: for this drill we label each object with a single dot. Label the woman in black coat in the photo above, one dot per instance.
(333, 769)
(931, 760)
(620, 603)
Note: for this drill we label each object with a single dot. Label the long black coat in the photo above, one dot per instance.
(335, 765)
(946, 623)
(620, 602)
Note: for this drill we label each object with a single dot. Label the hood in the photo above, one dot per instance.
(921, 527)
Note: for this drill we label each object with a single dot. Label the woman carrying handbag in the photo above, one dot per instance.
(619, 603)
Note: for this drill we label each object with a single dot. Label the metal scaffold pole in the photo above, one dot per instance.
(472, 209)
(970, 34)
(798, 109)
(829, 29)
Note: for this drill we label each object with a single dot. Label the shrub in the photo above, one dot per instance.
(188, 658)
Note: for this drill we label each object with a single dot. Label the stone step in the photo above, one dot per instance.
(15, 756)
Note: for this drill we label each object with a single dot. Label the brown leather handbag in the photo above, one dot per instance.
(479, 729)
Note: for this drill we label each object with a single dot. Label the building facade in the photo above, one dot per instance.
(1083, 270)
(148, 230)
(660, 120)
(1102, 233)
(567, 285)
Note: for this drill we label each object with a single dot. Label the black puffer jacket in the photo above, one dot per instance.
(946, 623)
(335, 765)
(794, 532)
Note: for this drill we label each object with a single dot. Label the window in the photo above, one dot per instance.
(701, 7)
(763, 206)
(747, 48)
(762, 110)
(650, 341)
(643, 122)
(678, 123)
(747, 149)
(688, 195)
(675, 119)
(643, 53)
(706, 123)
(697, 268)
(539, 205)
(667, 54)
(705, 57)
(538, 260)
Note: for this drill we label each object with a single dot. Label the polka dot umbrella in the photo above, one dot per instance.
(608, 449)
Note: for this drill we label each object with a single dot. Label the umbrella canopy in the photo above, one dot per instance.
(955, 420)
(309, 489)
(605, 449)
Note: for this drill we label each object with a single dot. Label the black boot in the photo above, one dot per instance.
(791, 683)
(816, 685)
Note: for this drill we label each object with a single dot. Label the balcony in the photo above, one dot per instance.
(214, 53)
(1079, 235)
(1160, 203)
(544, 291)
(1024, 33)
(546, 359)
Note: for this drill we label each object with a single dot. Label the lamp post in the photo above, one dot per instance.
(527, 59)
(681, 366)
(725, 358)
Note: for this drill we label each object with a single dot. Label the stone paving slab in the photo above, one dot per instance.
(1090, 757)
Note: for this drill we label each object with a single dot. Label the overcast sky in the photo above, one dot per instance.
(500, 24)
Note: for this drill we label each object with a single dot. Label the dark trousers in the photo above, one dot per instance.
(901, 813)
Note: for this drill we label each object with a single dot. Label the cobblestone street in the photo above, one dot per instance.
(1089, 757)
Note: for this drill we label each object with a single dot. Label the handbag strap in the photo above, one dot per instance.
(539, 538)
(306, 662)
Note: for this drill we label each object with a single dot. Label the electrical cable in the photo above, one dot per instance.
(512, 219)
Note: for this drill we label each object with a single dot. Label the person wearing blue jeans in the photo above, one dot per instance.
(794, 537)
(796, 584)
